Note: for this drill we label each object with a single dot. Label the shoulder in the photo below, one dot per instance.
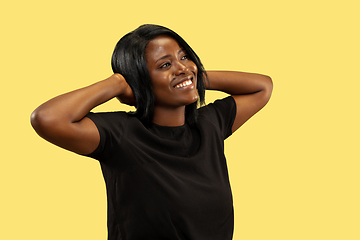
(109, 123)
(220, 114)
(108, 117)
(221, 106)
(112, 128)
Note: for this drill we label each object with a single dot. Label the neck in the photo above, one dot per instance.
(169, 117)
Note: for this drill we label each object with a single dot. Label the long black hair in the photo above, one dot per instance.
(128, 59)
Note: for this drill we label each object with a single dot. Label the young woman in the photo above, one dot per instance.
(164, 165)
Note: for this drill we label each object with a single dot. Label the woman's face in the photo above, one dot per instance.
(173, 74)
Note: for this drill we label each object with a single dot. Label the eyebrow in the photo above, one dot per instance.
(169, 55)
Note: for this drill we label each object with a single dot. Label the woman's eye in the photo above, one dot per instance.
(184, 57)
(165, 65)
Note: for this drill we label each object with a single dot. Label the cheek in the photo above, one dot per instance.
(193, 68)
(193, 65)
(160, 84)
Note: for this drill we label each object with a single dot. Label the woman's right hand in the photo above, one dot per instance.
(127, 95)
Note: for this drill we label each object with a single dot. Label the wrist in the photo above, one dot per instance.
(123, 91)
(119, 83)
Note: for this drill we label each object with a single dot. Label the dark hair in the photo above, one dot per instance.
(128, 59)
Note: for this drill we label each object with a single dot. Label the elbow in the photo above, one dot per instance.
(264, 84)
(37, 120)
(269, 84)
(268, 88)
(41, 121)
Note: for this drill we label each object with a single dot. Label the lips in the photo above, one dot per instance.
(184, 82)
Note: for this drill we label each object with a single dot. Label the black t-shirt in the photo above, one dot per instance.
(167, 182)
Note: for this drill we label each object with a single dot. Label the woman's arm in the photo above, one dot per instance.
(251, 91)
(62, 120)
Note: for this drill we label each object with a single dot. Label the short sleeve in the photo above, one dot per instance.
(222, 114)
(110, 126)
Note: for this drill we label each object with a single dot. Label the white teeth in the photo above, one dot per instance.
(184, 84)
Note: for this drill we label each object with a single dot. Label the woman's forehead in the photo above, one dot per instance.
(161, 45)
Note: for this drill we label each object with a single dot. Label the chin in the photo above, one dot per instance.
(193, 100)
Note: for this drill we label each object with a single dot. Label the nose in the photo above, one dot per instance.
(181, 68)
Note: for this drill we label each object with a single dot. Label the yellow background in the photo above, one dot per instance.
(294, 167)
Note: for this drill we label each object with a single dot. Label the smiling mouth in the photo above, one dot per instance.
(184, 84)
